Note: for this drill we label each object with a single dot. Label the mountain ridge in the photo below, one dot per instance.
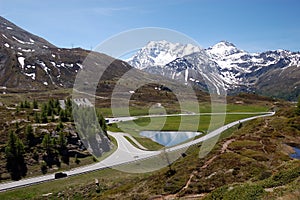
(239, 70)
(30, 62)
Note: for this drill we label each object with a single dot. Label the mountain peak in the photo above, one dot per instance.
(225, 43)
(160, 53)
(159, 42)
(223, 48)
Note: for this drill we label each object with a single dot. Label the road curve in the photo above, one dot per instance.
(125, 153)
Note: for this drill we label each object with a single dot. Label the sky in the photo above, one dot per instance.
(252, 25)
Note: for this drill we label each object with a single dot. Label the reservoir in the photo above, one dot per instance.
(296, 155)
(169, 138)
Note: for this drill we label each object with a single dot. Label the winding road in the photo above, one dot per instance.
(126, 152)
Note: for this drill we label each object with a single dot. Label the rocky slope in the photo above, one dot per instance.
(30, 62)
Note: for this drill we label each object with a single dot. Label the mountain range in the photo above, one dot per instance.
(273, 73)
(29, 62)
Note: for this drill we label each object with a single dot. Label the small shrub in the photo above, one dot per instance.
(217, 194)
(282, 178)
(244, 192)
(265, 175)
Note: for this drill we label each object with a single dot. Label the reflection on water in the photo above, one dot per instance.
(296, 154)
(169, 138)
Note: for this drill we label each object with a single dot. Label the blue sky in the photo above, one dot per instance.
(252, 25)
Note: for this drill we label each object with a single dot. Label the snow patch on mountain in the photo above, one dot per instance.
(43, 66)
(20, 41)
(31, 75)
(21, 61)
(4, 36)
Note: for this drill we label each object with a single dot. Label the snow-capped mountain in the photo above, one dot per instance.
(223, 49)
(158, 54)
(237, 69)
(237, 66)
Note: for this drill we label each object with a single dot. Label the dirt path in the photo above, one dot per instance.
(173, 196)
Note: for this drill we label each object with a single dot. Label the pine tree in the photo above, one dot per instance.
(52, 118)
(102, 122)
(51, 103)
(63, 150)
(50, 107)
(58, 109)
(59, 126)
(35, 104)
(44, 167)
(47, 144)
(56, 103)
(44, 113)
(44, 108)
(21, 105)
(30, 136)
(69, 103)
(68, 109)
(36, 118)
(26, 104)
(17, 126)
(54, 144)
(63, 116)
(44, 118)
(18, 129)
(15, 162)
(62, 142)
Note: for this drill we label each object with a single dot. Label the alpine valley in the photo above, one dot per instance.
(47, 139)
(272, 73)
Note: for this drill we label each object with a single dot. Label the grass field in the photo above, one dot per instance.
(195, 123)
(203, 108)
(171, 123)
(106, 178)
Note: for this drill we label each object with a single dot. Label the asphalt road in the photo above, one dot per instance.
(125, 153)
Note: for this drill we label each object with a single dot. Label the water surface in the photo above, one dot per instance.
(296, 155)
(169, 138)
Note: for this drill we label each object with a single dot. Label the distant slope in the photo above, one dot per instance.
(30, 62)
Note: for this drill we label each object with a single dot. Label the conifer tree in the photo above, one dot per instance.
(35, 104)
(15, 162)
(30, 136)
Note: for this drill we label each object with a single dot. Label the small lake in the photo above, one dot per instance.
(169, 138)
(296, 155)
